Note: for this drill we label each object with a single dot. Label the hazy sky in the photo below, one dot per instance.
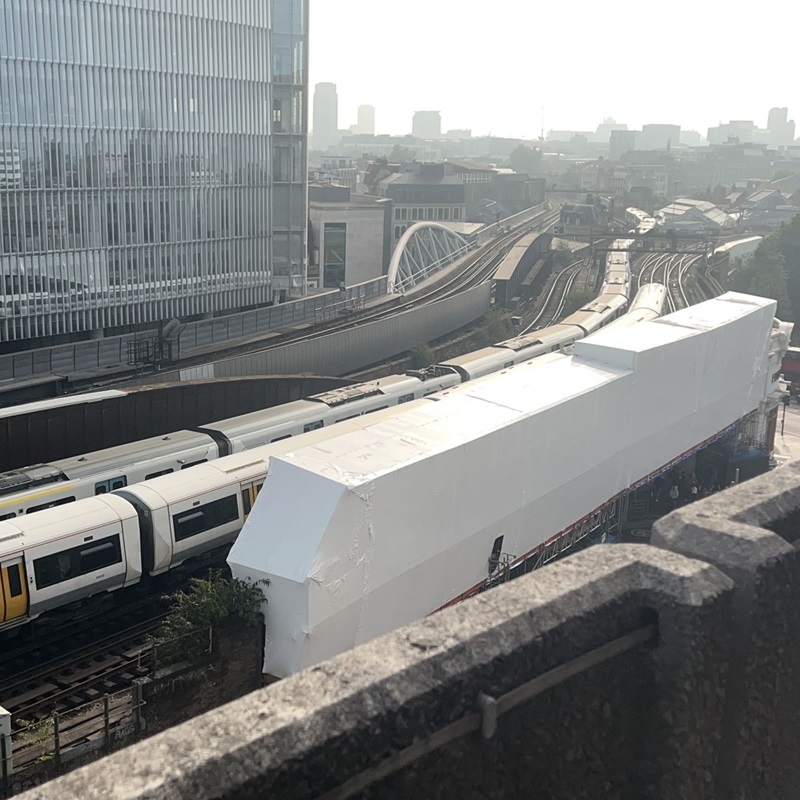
(491, 65)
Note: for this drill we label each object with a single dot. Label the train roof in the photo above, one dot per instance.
(311, 407)
(649, 295)
(546, 336)
(122, 456)
(59, 402)
(60, 522)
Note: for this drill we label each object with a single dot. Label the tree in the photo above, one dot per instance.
(421, 356)
(765, 275)
(401, 154)
(578, 296)
(562, 253)
(218, 601)
(525, 159)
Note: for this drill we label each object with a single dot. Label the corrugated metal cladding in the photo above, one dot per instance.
(350, 350)
(102, 354)
(47, 436)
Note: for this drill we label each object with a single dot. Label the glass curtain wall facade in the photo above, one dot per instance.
(152, 160)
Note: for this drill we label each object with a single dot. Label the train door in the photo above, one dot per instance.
(249, 494)
(14, 602)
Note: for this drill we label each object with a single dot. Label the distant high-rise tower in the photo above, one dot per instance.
(427, 125)
(366, 120)
(777, 117)
(326, 116)
(780, 127)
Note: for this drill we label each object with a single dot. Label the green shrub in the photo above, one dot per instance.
(216, 601)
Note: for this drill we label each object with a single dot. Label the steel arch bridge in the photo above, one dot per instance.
(423, 250)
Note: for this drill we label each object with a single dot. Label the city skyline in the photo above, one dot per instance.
(409, 70)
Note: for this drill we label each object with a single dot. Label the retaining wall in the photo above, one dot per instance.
(56, 433)
(360, 346)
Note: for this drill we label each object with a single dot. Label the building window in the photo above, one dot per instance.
(335, 254)
(397, 232)
(456, 213)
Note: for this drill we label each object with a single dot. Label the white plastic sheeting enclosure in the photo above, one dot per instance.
(360, 534)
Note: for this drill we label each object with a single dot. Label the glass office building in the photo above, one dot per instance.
(152, 160)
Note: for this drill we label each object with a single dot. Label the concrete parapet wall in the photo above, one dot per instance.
(750, 533)
(642, 723)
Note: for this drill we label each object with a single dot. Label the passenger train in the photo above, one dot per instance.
(640, 221)
(139, 514)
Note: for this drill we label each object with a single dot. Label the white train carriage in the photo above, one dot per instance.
(65, 555)
(600, 312)
(514, 351)
(186, 516)
(327, 408)
(650, 298)
(48, 485)
(646, 306)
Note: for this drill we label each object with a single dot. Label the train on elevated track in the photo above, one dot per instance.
(87, 526)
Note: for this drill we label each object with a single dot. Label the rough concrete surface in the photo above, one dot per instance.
(643, 725)
(749, 533)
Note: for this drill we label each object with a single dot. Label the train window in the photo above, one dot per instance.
(102, 487)
(406, 398)
(158, 474)
(204, 518)
(281, 438)
(97, 557)
(195, 463)
(14, 581)
(53, 504)
(7, 516)
(246, 502)
(313, 426)
(77, 561)
(344, 419)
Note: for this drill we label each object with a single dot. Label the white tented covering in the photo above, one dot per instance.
(362, 533)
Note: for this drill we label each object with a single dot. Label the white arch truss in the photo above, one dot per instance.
(423, 250)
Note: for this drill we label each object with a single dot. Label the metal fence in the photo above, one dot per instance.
(45, 746)
(66, 360)
(488, 233)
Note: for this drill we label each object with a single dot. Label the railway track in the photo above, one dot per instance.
(553, 307)
(480, 267)
(85, 674)
(84, 659)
